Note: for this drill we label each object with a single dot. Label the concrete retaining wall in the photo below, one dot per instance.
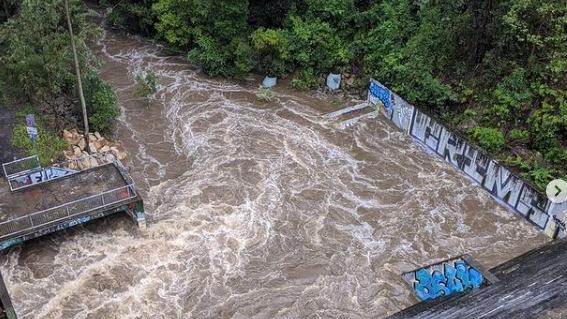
(507, 188)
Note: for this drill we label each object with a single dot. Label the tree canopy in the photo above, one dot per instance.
(494, 70)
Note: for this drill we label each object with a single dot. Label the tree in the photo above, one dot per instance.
(78, 72)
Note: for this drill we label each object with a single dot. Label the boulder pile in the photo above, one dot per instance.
(101, 149)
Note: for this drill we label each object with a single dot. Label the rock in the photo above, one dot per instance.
(92, 137)
(93, 148)
(97, 135)
(83, 164)
(105, 149)
(77, 151)
(93, 162)
(121, 155)
(69, 154)
(82, 145)
(99, 144)
(70, 138)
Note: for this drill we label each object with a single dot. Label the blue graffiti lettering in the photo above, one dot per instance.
(381, 93)
(454, 279)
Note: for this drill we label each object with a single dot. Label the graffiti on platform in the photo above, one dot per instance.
(43, 175)
(10, 242)
(493, 177)
(444, 279)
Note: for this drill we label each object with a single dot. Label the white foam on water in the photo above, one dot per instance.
(257, 211)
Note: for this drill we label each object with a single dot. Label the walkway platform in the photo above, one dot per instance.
(65, 201)
(533, 285)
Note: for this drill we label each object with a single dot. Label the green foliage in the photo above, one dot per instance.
(316, 44)
(48, 146)
(265, 94)
(217, 33)
(38, 69)
(491, 139)
(135, 16)
(147, 84)
(494, 69)
(101, 103)
(273, 49)
(305, 79)
(35, 51)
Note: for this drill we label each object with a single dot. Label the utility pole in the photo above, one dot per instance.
(79, 81)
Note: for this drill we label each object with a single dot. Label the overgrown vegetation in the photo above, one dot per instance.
(48, 146)
(146, 84)
(37, 69)
(494, 70)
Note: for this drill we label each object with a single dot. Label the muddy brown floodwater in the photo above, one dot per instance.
(257, 210)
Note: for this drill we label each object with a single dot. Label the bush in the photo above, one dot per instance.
(491, 139)
(48, 147)
(273, 49)
(306, 79)
(265, 94)
(147, 84)
(316, 44)
(101, 101)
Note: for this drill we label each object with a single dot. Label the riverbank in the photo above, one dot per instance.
(250, 201)
(7, 151)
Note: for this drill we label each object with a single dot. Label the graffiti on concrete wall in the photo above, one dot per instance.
(489, 174)
(380, 93)
(444, 279)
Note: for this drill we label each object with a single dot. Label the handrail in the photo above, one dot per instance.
(21, 160)
(100, 158)
(29, 221)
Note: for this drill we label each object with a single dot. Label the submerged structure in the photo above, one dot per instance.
(36, 200)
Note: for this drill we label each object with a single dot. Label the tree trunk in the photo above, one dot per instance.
(79, 81)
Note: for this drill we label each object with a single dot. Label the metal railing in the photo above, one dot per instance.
(21, 166)
(65, 211)
(22, 178)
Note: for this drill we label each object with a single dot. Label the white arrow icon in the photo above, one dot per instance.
(557, 191)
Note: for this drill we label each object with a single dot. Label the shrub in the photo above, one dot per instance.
(305, 79)
(101, 101)
(490, 139)
(146, 84)
(273, 49)
(265, 94)
(48, 146)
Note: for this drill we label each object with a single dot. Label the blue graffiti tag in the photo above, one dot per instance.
(454, 279)
(383, 94)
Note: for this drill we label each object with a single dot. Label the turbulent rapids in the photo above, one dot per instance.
(257, 210)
